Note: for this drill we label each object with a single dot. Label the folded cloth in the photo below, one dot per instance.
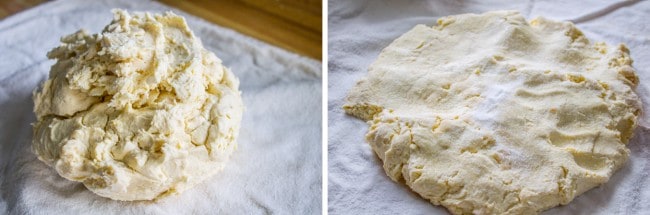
(276, 168)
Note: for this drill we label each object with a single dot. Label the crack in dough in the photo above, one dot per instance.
(138, 111)
(489, 114)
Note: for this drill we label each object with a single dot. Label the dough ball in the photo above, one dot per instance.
(491, 114)
(138, 111)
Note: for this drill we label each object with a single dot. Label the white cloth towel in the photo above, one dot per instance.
(275, 170)
(359, 30)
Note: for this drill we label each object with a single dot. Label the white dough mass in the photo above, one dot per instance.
(491, 114)
(138, 111)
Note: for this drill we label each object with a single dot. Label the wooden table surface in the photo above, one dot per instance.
(294, 25)
(9, 7)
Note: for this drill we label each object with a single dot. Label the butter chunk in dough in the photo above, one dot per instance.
(138, 111)
(490, 114)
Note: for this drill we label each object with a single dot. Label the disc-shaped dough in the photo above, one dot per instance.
(138, 111)
(489, 114)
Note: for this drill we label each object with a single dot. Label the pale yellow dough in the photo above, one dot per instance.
(490, 114)
(138, 111)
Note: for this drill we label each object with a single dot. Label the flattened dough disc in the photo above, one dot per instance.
(490, 114)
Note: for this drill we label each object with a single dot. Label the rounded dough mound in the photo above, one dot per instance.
(489, 114)
(139, 111)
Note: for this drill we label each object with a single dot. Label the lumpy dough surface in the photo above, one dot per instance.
(138, 111)
(491, 114)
